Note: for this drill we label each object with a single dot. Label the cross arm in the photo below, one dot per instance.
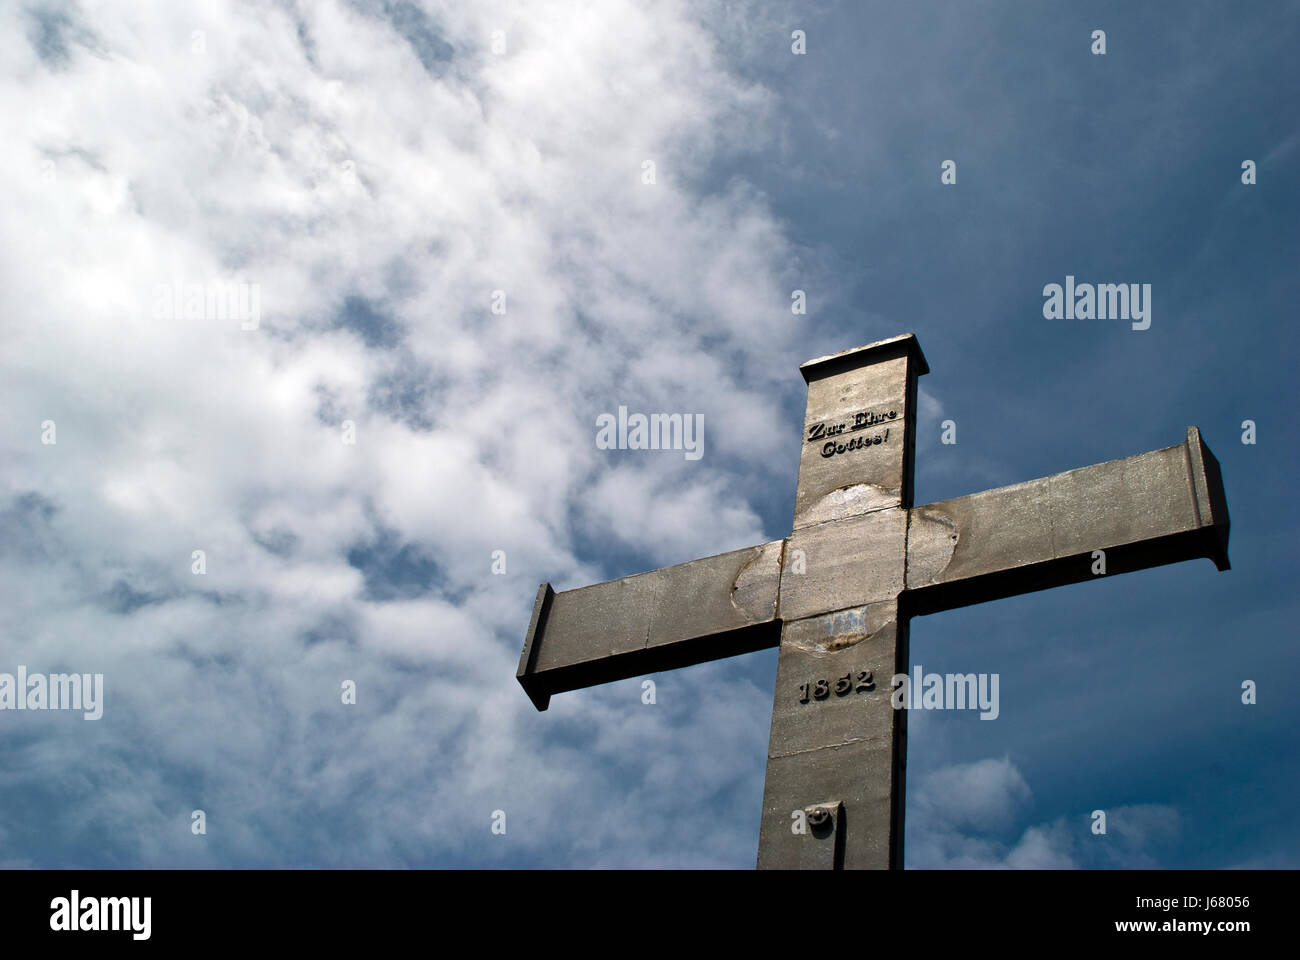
(673, 617)
(1143, 511)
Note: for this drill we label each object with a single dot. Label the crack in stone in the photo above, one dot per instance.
(840, 640)
(753, 574)
(650, 620)
(826, 746)
(932, 540)
(833, 632)
(849, 500)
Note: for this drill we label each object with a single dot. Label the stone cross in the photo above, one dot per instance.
(837, 594)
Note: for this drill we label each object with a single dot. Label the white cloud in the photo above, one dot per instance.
(971, 815)
(328, 158)
(980, 794)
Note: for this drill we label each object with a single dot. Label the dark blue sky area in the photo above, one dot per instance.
(1117, 168)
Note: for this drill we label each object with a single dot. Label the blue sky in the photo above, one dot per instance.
(378, 171)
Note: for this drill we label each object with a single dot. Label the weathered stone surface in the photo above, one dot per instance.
(833, 647)
(1211, 501)
(858, 431)
(853, 500)
(986, 531)
(600, 621)
(1141, 511)
(839, 592)
(848, 563)
(824, 847)
(863, 775)
(653, 621)
(849, 723)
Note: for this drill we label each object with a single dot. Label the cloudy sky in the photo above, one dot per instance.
(440, 215)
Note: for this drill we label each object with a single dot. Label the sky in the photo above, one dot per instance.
(461, 234)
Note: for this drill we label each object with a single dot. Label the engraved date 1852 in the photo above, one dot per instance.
(821, 689)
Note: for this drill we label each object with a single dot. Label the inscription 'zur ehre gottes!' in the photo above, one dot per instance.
(861, 420)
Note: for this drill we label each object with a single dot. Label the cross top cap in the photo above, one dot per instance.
(903, 345)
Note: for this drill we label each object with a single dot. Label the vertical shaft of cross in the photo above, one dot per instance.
(833, 796)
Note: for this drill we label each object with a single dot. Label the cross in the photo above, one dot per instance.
(838, 593)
